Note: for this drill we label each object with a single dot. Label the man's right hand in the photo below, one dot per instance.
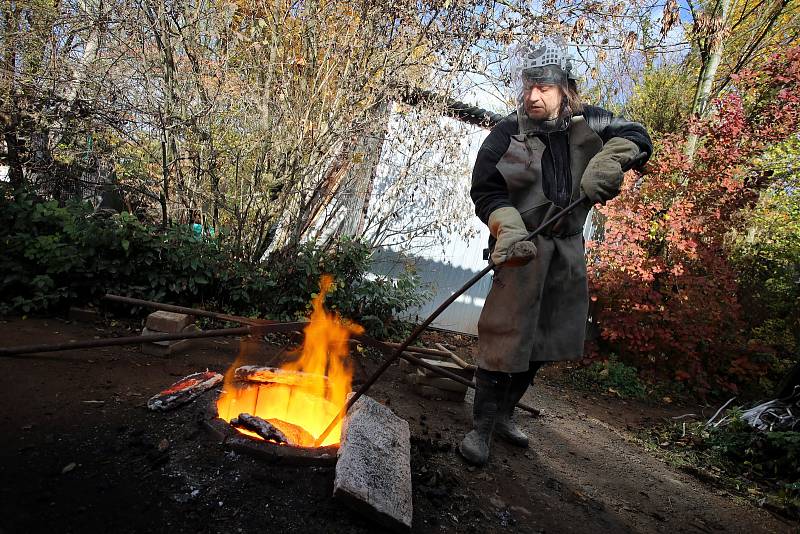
(506, 225)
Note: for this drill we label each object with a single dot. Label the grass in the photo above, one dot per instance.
(610, 376)
(761, 466)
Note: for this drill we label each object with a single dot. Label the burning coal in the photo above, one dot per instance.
(311, 390)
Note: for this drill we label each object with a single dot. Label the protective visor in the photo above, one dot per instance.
(547, 75)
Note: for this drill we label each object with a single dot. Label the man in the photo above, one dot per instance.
(534, 163)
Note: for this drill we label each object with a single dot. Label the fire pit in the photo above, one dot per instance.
(279, 413)
(292, 414)
(250, 443)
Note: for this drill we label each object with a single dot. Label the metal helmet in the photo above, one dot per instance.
(547, 61)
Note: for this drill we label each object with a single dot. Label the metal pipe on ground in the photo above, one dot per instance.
(135, 340)
(188, 311)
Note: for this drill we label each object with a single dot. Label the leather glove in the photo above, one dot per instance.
(602, 178)
(506, 225)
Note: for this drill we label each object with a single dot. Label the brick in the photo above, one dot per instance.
(167, 348)
(168, 322)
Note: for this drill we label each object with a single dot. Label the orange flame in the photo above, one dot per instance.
(322, 388)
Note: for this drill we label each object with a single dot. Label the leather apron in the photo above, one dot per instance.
(537, 312)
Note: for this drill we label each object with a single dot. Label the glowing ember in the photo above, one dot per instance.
(303, 408)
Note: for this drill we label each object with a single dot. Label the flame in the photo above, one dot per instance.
(320, 392)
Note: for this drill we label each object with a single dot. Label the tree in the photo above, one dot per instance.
(749, 29)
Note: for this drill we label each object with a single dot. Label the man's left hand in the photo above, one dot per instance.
(602, 178)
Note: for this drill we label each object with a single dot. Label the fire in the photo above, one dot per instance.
(324, 378)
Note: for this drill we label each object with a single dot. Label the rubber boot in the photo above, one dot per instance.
(491, 389)
(505, 427)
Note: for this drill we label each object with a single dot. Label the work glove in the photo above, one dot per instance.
(506, 225)
(602, 178)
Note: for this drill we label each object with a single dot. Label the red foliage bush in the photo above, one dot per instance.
(666, 295)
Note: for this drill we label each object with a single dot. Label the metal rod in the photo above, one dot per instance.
(150, 338)
(130, 340)
(182, 309)
(422, 326)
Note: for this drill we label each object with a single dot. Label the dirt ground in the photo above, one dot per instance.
(81, 453)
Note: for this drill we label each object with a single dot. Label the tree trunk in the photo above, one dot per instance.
(163, 198)
(711, 59)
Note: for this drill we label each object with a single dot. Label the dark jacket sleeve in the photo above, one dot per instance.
(489, 191)
(606, 125)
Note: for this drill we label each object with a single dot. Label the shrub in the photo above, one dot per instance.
(667, 295)
(56, 256)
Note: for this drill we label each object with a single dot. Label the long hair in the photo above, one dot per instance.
(573, 105)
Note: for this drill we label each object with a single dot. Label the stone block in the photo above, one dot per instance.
(157, 349)
(168, 322)
(373, 473)
(167, 348)
(441, 383)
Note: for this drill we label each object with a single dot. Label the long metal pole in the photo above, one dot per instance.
(422, 326)
(635, 162)
(135, 340)
(182, 309)
(130, 340)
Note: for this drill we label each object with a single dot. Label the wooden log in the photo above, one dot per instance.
(456, 358)
(184, 390)
(254, 373)
(373, 473)
(263, 428)
(419, 350)
(297, 435)
(420, 363)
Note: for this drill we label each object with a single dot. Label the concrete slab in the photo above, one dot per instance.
(373, 473)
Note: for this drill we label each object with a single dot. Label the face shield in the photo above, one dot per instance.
(543, 63)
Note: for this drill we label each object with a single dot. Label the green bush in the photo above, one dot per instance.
(56, 256)
(766, 253)
(610, 375)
